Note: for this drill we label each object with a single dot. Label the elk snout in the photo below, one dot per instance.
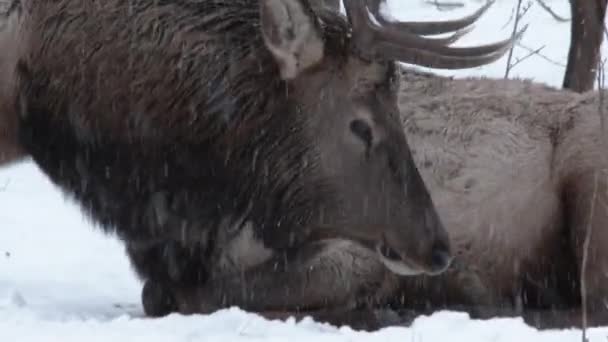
(441, 258)
(425, 251)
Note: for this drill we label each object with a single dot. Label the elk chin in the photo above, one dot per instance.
(407, 266)
(391, 260)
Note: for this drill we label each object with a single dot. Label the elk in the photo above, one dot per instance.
(246, 152)
(518, 174)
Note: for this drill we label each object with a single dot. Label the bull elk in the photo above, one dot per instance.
(519, 175)
(247, 152)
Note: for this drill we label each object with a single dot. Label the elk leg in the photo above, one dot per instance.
(157, 299)
(586, 211)
(327, 274)
(587, 219)
(163, 265)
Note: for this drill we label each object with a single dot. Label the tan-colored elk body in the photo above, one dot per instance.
(519, 173)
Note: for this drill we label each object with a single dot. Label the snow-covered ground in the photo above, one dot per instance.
(62, 280)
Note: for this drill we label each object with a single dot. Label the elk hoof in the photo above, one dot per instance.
(157, 299)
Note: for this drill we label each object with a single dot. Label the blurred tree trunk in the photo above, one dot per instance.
(586, 35)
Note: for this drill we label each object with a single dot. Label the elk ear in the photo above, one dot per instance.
(291, 35)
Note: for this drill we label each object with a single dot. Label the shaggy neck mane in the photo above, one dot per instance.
(246, 91)
(201, 86)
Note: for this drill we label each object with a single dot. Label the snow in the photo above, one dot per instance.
(62, 280)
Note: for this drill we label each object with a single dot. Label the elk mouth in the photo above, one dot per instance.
(395, 262)
(407, 265)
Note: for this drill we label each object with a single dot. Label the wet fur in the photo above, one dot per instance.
(178, 174)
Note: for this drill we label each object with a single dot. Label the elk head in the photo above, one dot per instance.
(342, 83)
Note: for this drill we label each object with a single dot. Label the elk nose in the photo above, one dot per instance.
(441, 258)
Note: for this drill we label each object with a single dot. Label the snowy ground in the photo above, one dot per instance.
(60, 279)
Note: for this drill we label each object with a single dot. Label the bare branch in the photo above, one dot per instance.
(445, 5)
(526, 8)
(552, 61)
(511, 16)
(530, 54)
(586, 257)
(600, 83)
(519, 13)
(555, 16)
(605, 31)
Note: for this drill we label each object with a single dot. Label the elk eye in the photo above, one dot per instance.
(362, 130)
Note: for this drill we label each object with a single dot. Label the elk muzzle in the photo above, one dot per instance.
(413, 260)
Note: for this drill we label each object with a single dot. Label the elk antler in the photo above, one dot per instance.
(379, 38)
(429, 27)
(453, 37)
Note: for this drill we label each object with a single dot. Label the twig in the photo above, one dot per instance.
(530, 54)
(605, 31)
(511, 16)
(601, 81)
(525, 10)
(518, 15)
(585, 259)
(552, 61)
(555, 16)
(600, 110)
(445, 6)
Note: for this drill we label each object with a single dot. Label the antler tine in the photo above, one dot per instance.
(388, 42)
(454, 37)
(433, 60)
(428, 27)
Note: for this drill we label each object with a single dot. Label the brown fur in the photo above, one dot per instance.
(10, 150)
(214, 137)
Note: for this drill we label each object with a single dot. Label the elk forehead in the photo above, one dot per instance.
(365, 76)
